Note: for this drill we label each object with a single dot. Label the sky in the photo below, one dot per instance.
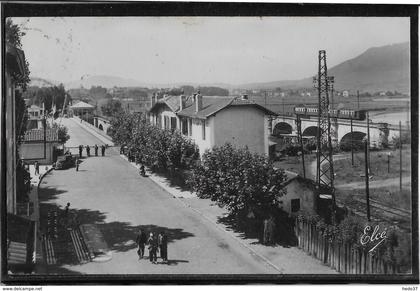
(203, 50)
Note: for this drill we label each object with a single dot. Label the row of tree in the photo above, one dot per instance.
(161, 150)
(47, 96)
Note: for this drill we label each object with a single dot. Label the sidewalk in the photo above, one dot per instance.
(286, 260)
(33, 197)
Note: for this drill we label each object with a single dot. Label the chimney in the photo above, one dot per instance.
(198, 102)
(181, 102)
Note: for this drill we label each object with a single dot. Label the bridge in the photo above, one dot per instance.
(380, 133)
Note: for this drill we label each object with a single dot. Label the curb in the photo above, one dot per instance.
(102, 137)
(262, 257)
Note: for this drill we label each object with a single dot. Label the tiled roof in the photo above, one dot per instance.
(38, 135)
(172, 102)
(82, 105)
(213, 104)
(34, 107)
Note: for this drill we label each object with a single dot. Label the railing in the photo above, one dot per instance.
(343, 257)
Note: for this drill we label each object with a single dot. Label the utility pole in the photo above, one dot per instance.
(300, 138)
(400, 158)
(351, 143)
(367, 180)
(368, 140)
(358, 104)
(325, 169)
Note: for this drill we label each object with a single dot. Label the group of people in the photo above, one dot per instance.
(155, 243)
(87, 147)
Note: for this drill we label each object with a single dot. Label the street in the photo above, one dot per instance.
(109, 192)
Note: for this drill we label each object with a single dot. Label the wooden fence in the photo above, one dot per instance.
(340, 256)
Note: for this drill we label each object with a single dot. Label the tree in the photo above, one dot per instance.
(112, 108)
(13, 38)
(240, 180)
(63, 136)
(213, 91)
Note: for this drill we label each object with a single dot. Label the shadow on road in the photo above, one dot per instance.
(119, 236)
(253, 229)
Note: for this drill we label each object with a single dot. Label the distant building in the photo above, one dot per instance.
(36, 148)
(301, 195)
(346, 94)
(83, 110)
(382, 94)
(35, 117)
(213, 121)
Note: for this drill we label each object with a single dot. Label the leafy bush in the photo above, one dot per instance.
(238, 179)
(161, 150)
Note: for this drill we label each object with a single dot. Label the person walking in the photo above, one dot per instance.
(141, 241)
(96, 150)
(153, 248)
(77, 164)
(80, 150)
(163, 246)
(103, 150)
(36, 168)
(88, 150)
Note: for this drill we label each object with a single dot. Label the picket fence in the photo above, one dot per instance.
(341, 256)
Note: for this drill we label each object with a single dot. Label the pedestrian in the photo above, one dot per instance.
(77, 164)
(142, 171)
(163, 246)
(141, 241)
(103, 150)
(96, 150)
(67, 209)
(153, 248)
(80, 150)
(269, 226)
(88, 150)
(36, 168)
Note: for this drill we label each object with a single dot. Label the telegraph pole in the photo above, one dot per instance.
(299, 128)
(358, 104)
(400, 158)
(367, 179)
(368, 140)
(351, 144)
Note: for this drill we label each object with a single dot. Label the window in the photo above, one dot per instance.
(203, 129)
(166, 122)
(295, 205)
(184, 126)
(189, 126)
(173, 123)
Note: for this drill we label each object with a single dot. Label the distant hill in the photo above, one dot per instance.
(377, 69)
(103, 81)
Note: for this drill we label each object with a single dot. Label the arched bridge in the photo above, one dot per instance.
(380, 133)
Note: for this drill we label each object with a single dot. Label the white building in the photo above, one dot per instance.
(35, 117)
(346, 93)
(213, 121)
(37, 148)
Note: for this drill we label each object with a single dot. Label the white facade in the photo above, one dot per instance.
(238, 125)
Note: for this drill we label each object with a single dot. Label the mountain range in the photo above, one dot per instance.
(377, 69)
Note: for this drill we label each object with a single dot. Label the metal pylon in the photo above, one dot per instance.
(325, 169)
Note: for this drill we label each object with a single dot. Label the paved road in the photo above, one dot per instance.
(108, 191)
